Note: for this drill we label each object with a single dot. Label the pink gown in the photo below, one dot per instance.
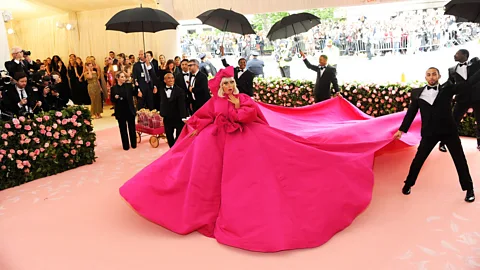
(257, 187)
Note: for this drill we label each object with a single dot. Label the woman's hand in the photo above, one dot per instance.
(234, 100)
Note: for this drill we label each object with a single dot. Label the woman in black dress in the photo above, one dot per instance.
(122, 95)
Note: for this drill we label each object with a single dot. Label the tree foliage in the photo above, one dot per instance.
(263, 22)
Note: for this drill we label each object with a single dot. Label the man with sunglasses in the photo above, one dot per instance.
(198, 90)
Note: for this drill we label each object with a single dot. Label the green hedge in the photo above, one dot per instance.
(50, 143)
(373, 99)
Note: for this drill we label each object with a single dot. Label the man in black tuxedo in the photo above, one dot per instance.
(20, 63)
(172, 108)
(145, 79)
(326, 77)
(469, 97)
(434, 102)
(19, 98)
(198, 86)
(154, 63)
(182, 80)
(243, 77)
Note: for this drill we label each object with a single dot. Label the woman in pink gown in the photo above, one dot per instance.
(233, 177)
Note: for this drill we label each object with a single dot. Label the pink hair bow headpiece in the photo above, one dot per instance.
(214, 84)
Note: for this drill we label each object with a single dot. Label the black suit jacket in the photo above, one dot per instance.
(324, 82)
(12, 67)
(468, 92)
(201, 93)
(180, 82)
(437, 119)
(245, 82)
(137, 76)
(11, 99)
(156, 67)
(173, 108)
(124, 105)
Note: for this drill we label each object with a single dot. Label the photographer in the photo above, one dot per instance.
(21, 62)
(51, 95)
(19, 98)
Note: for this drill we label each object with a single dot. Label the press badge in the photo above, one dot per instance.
(142, 74)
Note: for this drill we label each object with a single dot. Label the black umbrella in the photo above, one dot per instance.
(293, 25)
(227, 21)
(466, 9)
(141, 19)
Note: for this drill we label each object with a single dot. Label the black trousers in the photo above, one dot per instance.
(320, 98)
(456, 151)
(126, 141)
(147, 100)
(459, 111)
(172, 126)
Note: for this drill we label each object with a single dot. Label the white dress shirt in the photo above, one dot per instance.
(192, 83)
(322, 70)
(186, 78)
(429, 95)
(462, 70)
(22, 94)
(168, 91)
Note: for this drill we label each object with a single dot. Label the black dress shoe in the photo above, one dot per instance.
(442, 148)
(406, 189)
(470, 197)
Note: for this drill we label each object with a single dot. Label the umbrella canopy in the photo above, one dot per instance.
(466, 9)
(140, 19)
(293, 25)
(227, 21)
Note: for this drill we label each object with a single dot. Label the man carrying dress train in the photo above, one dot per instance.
(434, 102)
(172, 108)
(463, 72)
(326, 77)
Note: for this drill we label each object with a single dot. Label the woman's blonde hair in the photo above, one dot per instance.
(225, 79)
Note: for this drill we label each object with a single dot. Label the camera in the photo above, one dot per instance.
(27, 53)
(4, 79)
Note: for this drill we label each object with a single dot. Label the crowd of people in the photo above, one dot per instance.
(404, 32)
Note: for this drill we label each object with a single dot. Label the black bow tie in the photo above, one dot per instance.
(322, 68)
(193, 75)
(462, 64)
(169, 88)
(432, 87)
(186, 74)
(240, 70)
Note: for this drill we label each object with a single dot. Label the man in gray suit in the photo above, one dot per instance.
(256, 65)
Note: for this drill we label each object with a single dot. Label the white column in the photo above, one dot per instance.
(4, 48)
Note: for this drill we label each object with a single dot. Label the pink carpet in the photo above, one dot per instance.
(77, 221)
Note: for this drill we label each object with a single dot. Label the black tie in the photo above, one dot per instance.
(185, 74)
(240, 70)
(322, 68)
(193, 75)
(169, 88)
(462, 64)
(432, 87)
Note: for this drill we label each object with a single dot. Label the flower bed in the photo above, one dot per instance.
(373, 99)
(51, 143)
